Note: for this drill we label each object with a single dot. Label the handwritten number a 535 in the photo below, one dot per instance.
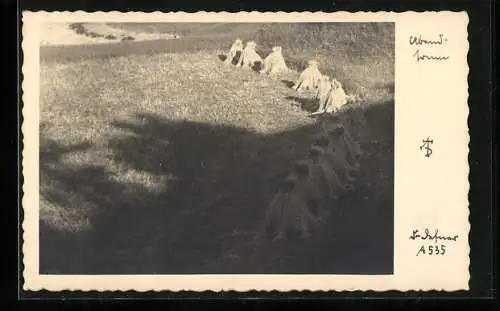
(432, 250)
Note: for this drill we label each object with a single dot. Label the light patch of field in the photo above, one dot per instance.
(133, 178)
(195, 87)
(65, 218)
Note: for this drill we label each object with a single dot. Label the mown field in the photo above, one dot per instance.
(157, 158)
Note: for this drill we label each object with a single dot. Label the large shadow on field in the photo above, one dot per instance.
(205, 217)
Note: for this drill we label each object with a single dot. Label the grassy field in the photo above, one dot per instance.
(157, 158)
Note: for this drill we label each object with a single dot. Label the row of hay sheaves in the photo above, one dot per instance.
(306, 197)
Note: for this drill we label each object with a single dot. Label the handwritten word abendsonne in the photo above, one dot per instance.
(419, 41)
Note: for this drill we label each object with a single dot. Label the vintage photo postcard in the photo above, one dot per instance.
(245, 151)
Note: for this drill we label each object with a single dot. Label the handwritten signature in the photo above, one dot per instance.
(432, 236)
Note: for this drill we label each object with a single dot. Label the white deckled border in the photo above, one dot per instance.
(430, 100)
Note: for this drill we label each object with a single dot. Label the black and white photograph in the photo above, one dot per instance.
(216, 148)
(250, 151)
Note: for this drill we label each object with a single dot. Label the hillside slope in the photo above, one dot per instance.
(165, 163)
